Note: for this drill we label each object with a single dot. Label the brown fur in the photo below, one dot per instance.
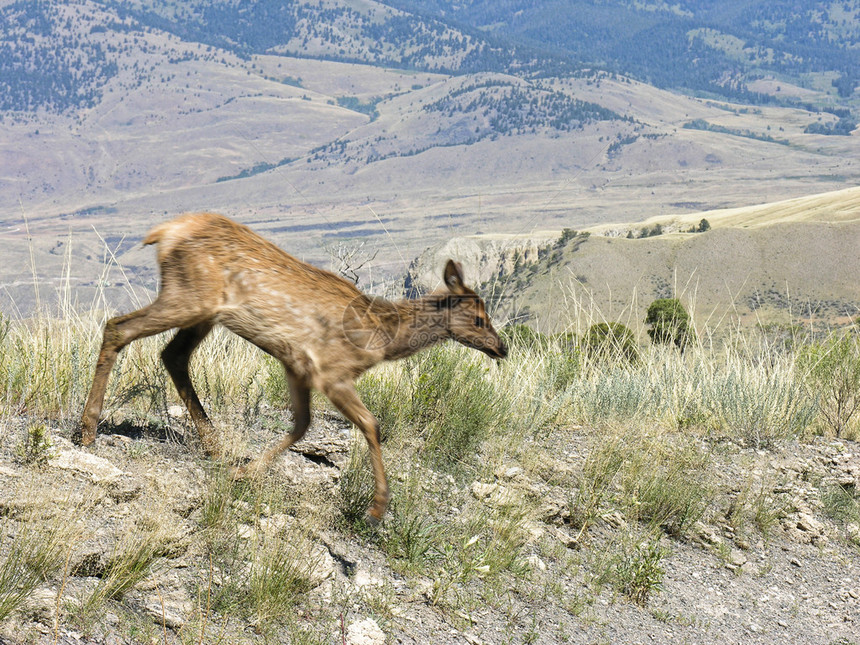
(324, 331)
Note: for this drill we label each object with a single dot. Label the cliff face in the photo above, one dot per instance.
(484, 258)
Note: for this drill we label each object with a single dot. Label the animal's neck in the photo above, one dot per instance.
(421, 323)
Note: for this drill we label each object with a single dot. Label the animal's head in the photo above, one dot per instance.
(467, 320)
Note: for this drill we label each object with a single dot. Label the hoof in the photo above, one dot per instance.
(81, 437)
(247, 470)
(374, 516)
(238, 473)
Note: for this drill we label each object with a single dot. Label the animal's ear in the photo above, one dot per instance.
(454, 277)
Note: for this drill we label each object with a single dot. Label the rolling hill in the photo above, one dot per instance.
(721, 48)
(371, 137)
(778, 263)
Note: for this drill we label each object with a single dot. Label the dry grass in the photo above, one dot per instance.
(450, 418)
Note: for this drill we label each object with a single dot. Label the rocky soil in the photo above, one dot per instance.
(798, 582)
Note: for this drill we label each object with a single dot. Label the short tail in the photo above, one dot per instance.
(155, 234)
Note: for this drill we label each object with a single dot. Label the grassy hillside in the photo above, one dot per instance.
(785, 262)
(577, 492)
(563, 495)
(837, 207)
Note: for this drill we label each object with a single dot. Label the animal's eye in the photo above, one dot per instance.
(479, 322)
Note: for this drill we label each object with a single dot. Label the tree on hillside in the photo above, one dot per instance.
(670, 323)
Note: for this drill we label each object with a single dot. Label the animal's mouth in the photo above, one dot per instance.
(498, 353)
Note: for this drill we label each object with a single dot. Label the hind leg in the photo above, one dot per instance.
(118, 333)
(176, 356)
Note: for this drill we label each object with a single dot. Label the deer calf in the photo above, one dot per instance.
(324, 331)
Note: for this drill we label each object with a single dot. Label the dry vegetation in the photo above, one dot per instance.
(530, 497)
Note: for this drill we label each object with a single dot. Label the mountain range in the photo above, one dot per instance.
(358, 127)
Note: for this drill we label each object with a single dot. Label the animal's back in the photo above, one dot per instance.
(241, 280)
(198, 238)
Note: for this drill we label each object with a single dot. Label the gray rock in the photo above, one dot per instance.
(365, 632)
(98, 469)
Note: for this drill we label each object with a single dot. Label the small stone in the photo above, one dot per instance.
(535, 563)
(276, 523)
(8, 472)
(482, 491)
(795, 562)
(472, 639)
(512, 472)
(494, 494)
(615, 520)
(171, 612)
(805, 522)
(125, 489)
(41, 606)
(554, 509)
(706, 535)
(564, 537)
(176, 411)
(365, 632)
(323, 565)
(363, 580)
(536, 530)
(98, 469)
(737, 558)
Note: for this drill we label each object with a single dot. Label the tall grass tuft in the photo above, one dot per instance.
(454, 404)
(411, 533)
(45, 366)
(356, 487)
(635, 569)
(751, 400)
(131, 562)
(30, 557)
(664, 483)
(281, 569)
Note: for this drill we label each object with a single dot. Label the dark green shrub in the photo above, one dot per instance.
(35, 447)
(567, 234)
(670, 323)
(454, 406)
(651, 231)
(522, 336)
(611, 341)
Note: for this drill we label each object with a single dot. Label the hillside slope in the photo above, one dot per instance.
(721, 48)
(150, 115)
(782, 262)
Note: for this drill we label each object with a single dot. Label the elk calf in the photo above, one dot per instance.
(324, 331)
